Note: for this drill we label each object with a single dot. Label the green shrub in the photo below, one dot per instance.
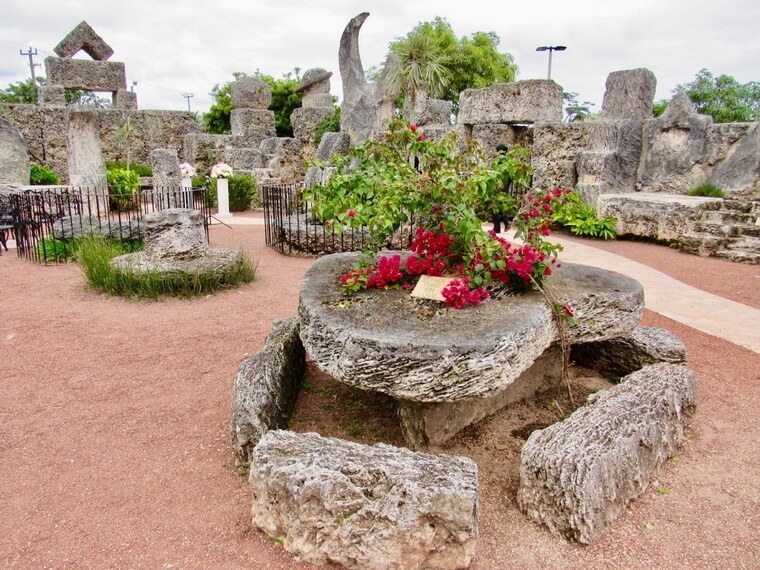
(328, 125)
(95, 255)
(709, 190)
(122, 187)
(581, 219)
(140, 169)
(41, 175)
(242, 192)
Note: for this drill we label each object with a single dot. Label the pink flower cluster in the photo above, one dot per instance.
(431, 251)
(457, 293)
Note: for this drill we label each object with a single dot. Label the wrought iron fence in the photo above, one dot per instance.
(292, 229)
(47, 223)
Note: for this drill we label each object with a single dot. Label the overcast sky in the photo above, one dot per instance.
(170, 48)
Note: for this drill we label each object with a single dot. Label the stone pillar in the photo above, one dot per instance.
(316, 102)
(86, 165)
(166, 176)
(223, 198)
(51, 96)
(123, 99)
(14, 157)
(250, 119)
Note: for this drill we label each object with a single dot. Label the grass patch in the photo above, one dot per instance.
(50, 250)
(708, 190)
(95, 255)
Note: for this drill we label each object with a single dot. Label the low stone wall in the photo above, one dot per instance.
(364, 507)
(44, 130)
(577, 476)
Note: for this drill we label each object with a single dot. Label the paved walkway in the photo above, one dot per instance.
(674, 299)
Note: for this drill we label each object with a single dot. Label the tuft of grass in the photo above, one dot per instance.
(95, 255)
(51, 250)
(708, 190)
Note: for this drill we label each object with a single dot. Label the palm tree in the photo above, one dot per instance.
(416, 66)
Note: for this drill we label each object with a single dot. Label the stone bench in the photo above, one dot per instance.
(577, 476)
(377, 507)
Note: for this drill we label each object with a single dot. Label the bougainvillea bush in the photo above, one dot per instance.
(450, 191)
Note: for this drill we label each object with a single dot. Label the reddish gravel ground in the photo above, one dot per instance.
(114, 432)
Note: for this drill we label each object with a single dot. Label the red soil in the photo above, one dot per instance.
(114, 429)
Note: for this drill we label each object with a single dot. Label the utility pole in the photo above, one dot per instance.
(187, 96)
(32, 65)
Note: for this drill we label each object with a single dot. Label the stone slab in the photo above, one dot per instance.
(306, 119)
(86, 75)
(531, 101)
(624, 355)
(425, 424)
(84, 38)
(252, 125)
(362, 507)
(629, 94)
(124, 99)
(578, 476)
(379, 342)
(266, 388)
(251, 93)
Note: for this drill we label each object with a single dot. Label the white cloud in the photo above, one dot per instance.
(170, 48)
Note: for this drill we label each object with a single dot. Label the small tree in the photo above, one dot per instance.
(124, 137)
(722, 97)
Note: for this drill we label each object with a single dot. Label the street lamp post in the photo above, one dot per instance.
(551, 49)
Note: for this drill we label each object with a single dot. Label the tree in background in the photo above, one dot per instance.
(470, 61)
(575, 110)
(21, 92)
(722, 97)
(284, 100)
(416, 66)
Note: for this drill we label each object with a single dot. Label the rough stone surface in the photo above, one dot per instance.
(124, 99)
(436, 112)
(44, 129)
(251, 93)
(316, 175)
(14, 156)
(76, 226)
(379, 343)
(174, 233)
(51, 96)
(317, 100)
(426, 424)
(367, 108)
(306, 119)
(739, 174)
(84, 74)
(491, 136)
(266, 388)
(332, 144)
(315, 81)
(84, 38)
(285, 157)
(661, 217)
(676, 144)
(200, 148)
(86, 165)
(620, 356)
(531, 101)
(216, 260)
(369, 508)
(577, 476)
(165, 165)
(611, 159)
(239, 158)
(629, 95)
(252, 125)
(555, 149)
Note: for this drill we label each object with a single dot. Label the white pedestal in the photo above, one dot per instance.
(223, 198)
(187, 192)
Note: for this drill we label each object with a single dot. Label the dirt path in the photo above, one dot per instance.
(114, 436)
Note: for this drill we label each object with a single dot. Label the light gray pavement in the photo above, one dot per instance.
(718, 316)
